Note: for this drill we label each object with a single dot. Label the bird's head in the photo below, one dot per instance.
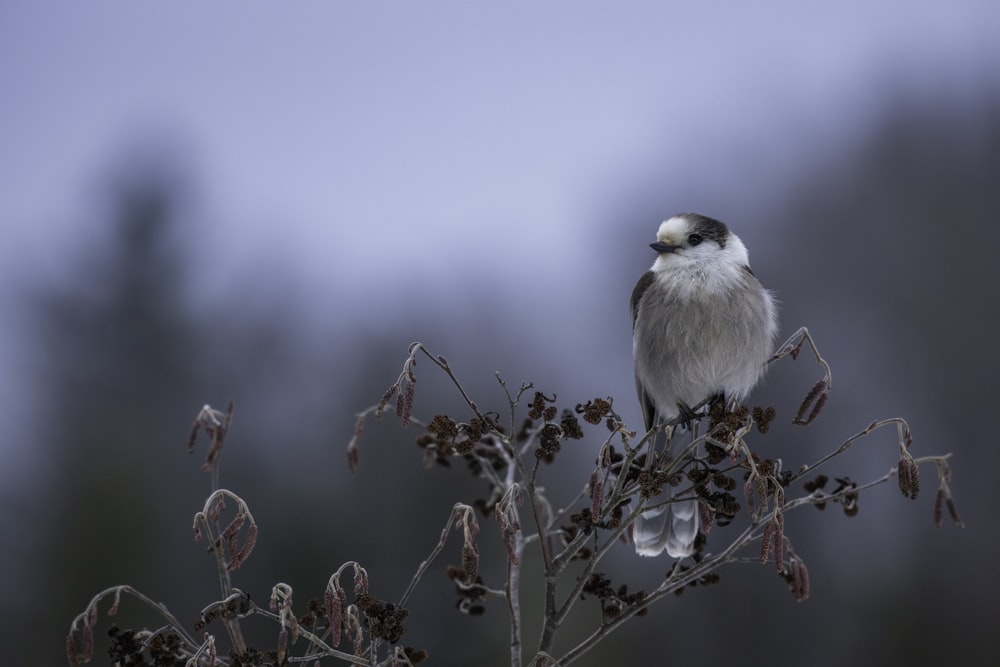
(692, 240)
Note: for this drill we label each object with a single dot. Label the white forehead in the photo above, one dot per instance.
(673, 228)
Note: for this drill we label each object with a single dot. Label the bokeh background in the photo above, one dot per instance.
(267, 202)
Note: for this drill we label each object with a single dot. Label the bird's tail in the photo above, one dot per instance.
(672, 528)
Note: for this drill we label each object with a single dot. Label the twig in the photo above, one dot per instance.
(207, 521)
(324, 649)
(902, 428)
(82, 624)
(459, 512)
(443, 364)
(817, 396)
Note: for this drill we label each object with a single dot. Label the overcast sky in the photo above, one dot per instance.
(411, 127)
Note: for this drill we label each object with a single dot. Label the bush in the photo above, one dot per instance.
(511, 450)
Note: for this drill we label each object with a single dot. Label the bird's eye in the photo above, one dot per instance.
(694, 239)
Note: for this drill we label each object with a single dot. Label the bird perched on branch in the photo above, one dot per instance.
(703, 328)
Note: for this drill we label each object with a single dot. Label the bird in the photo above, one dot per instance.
(703, 328)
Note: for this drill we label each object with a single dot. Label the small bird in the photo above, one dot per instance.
(703, 328)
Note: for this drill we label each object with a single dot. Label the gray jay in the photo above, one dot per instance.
(702, 327)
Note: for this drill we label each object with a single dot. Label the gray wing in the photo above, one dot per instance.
(649, 416)
(640, 288)
(648, 410)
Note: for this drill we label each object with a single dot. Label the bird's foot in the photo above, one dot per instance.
(688, 416)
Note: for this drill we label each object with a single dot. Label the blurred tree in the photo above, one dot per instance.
(121, 370)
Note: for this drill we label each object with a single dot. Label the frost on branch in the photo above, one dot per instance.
(516, 451)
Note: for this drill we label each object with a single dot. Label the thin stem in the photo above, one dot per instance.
(792, 346)
(514, 564)
(847, 444)
(513, 595)
(456, 511)
(443, 364)
(172, 622)
(672, 584)
(819, 497)
(207, 648)
(324, 649)
(216, 544)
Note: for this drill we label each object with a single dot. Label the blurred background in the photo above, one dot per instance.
(267, 202)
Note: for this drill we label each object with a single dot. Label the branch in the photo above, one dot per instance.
(820, 391)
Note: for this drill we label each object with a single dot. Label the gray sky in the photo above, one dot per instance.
(330, 127)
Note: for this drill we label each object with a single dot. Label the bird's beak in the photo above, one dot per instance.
(661, 247)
